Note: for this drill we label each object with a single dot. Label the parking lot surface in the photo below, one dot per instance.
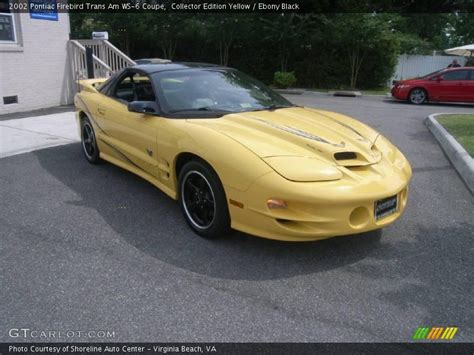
(89, 248)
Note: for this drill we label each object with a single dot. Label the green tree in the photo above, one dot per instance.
(463, 29)
(287, 31)
(422, 33)
(362, 38)
(165, 31)
(224, 30)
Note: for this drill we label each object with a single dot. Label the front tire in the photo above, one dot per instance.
(202, 200)
(417, 96)
(89, 142)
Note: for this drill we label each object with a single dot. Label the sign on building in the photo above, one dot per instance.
(43, 9)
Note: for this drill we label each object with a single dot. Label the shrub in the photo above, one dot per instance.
(283, 80)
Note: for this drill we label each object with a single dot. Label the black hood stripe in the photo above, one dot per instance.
(299, 132)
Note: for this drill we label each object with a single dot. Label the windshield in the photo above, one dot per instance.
(219, 91)
(430, 74)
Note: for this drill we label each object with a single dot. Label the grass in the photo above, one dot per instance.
(381, 91)
(462, 128)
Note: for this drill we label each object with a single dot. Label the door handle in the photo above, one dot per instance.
(101, 111)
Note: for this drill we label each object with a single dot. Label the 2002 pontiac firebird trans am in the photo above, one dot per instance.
(235, 154)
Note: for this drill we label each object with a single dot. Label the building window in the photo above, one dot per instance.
(7, 24)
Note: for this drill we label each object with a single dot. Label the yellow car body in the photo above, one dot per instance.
(329, 169)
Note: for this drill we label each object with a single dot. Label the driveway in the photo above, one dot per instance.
(89, 248)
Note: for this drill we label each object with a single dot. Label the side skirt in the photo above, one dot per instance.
(140, 173)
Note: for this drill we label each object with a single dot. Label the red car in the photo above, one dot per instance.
(454, 84)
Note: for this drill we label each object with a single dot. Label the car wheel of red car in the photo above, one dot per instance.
(417, 96)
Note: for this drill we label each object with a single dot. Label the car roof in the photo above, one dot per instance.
(154, 68)
(459, 68)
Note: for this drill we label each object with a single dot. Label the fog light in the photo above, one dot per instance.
(359, 217)
(276, 203)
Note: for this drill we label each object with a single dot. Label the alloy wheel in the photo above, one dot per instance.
(198, 199)
(418, 96)
(88, 140)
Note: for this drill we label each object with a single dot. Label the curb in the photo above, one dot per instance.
(459, 157)
(291, 91)
(37, 112)
(345, 93)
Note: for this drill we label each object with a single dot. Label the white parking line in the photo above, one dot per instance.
(28, 134)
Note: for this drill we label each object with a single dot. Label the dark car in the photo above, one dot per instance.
(453, 84)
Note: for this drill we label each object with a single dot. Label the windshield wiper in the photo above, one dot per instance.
(276, 107)
(205, 108)
(273, 107)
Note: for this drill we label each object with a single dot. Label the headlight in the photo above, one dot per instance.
(303, 169)
(392, 154)
(388, 149)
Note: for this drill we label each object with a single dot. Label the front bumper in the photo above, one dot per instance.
(400, 93)
(316, 210)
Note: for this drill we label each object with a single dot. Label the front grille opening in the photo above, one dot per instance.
(8, 100)
(345, 156)
(287, 222)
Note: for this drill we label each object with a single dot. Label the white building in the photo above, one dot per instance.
(34, 67)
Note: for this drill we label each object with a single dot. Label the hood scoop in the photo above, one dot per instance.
(345, 155)
(353, 159)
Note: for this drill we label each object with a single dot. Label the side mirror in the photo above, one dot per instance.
(142, 107)
(439, 78)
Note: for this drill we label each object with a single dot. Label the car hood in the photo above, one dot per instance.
(411, 81)
(301, 132)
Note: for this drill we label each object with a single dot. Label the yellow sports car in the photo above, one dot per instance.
(235, 154)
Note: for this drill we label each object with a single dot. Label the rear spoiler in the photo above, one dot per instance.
(90, 85)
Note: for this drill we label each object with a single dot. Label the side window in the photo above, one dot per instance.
(144, 89)
(124, 89)
(134, 87)
(471, 73)
(104, 87)
(456, 75)
(7, 24)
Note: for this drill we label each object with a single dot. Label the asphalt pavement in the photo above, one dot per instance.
(94, 248)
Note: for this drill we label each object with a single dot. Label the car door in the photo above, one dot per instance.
(130, 135)
(470, 87)
(452, 85)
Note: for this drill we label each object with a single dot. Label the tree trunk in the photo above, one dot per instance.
(221, 53)
(356, 60)
(226, 52)
(127, 44)
(169, 48)
(284, 56)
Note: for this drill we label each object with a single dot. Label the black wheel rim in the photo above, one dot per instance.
(417, 96)
(198, 199)
(88, 140)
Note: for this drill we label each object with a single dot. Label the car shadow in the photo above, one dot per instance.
(431, 103)
(151, 222)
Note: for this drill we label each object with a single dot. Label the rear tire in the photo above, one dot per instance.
(89, 142)
(202, 200)
(418, 96)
